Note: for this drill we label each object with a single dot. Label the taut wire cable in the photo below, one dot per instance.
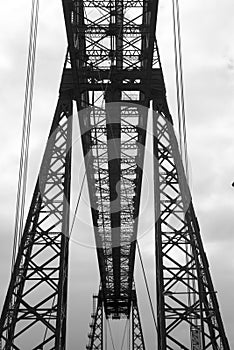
(26, 127)
(180, 86)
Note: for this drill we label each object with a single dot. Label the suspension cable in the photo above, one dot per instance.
(27, 114)
(129, 335)
(105, 332)
(77, 204)
(124, 334)
(180, 86)
(181, 108)
(144, 275)
(111, 335)
(147, 287)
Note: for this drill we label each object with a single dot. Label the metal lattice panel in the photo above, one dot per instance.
(96, 326)
(188, 313)
(36, 298)
(112, 54)
(138, 342)
(118, 239)
(115, 72)
(114, 33)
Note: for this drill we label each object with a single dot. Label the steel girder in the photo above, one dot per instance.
(188, 312)
(96, 334)
(115, 72)
(34, 312)
(114, 56)
(113, 51)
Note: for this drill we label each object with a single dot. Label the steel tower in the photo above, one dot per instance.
(112, 72)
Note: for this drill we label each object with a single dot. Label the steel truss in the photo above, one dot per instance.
(115, 72)
(188, 312)
(96, 326)
(138, 342)
(96, 335)
(112, 52)
(34, 312)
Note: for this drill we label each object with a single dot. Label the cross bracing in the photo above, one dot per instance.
(186, 296)
(112, 66)
(35, 303)
(112, 72)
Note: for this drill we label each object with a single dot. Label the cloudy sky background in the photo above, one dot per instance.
(208, 60)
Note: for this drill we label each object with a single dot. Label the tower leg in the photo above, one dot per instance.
(187, 307)
(34, 313)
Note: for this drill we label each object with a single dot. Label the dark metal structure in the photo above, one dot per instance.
(96, 334)
(112, 72)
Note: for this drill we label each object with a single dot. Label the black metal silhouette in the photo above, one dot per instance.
(115, 72)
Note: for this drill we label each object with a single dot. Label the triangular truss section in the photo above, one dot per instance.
(36, 301)
(188, 312)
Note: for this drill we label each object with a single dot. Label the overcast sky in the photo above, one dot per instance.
(208, 60)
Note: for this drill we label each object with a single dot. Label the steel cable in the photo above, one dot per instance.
(181, 107)
(111, 335)
(147, 287)
(124, 334)
(180, 86)
(77, 205)
(145, 277)
(26, 127)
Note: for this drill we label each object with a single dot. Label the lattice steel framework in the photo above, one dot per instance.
(96, 326)
(96, 335)
(112, 47)
(138, 342)
(188, 312)
(34, 312)
(114, 73)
